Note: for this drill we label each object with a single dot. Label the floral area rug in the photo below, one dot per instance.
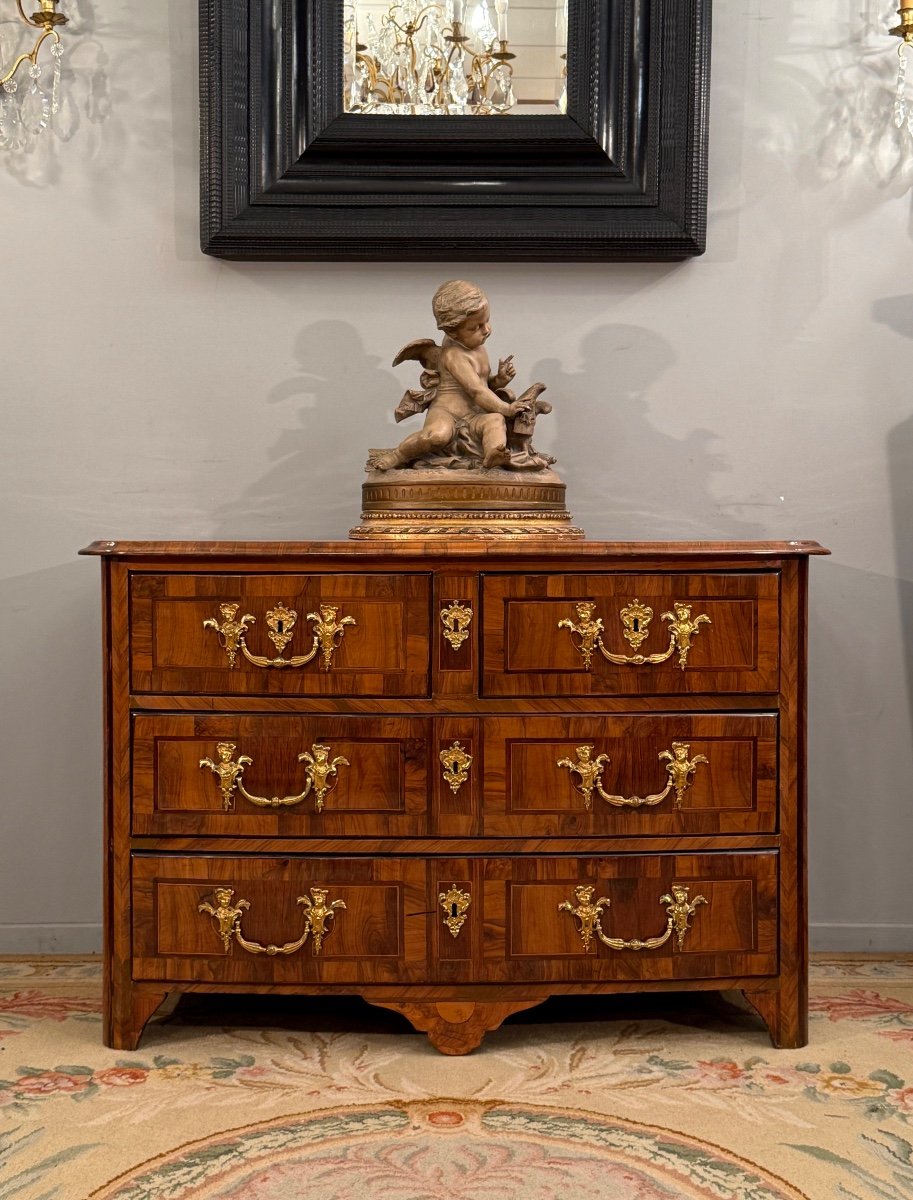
(673, 1097)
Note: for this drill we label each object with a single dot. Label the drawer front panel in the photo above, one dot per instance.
(548, 635)
(280, 776)
(532, 932)
(361, 635)
(667, 775)
(253, 928)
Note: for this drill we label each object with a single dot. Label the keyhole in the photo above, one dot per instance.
(637, 624)
(279, 625)
(453, 910)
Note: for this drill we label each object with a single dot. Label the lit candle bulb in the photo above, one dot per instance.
(501, 10)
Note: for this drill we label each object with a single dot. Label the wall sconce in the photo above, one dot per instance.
(23, 117)
(902, 114)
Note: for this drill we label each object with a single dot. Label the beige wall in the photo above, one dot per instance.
(763, 390)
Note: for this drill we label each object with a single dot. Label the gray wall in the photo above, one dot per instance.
(762, 391)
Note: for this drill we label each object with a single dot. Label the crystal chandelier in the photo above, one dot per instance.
(422, 61)
(903, 116)
(25, 114)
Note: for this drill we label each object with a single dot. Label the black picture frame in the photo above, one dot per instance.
(287, 174)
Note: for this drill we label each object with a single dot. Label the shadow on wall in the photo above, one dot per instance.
(345, 399)
(626, 478)
(51, 817)
(896, 312)
(861, 824)
(860, 760)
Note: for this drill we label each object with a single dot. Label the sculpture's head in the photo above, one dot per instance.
(461, 310)
(225, 750)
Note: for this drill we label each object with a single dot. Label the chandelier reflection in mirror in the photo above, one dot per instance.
(26, 111)
(448, 58)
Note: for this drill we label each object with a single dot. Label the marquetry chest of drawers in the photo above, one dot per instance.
(454, 780)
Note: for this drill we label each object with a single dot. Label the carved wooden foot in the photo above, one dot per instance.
(125, 1024)
(785, 1014)
(456, 1026)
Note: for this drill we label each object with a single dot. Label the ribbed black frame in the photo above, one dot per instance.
(286, 174)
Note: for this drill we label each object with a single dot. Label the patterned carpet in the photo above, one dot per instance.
(635, 1098)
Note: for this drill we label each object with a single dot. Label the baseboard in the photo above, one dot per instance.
(86, 939)
(50, 939)
(862, 939)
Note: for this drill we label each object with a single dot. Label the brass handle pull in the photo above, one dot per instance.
(456, 619)
(320, 773)
(455, 763)
(227, 917)
(280, 622)
(679, 768)
(679, 911)
(635, 618)
(455, 904)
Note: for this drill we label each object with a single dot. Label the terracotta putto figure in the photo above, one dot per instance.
(472, 418)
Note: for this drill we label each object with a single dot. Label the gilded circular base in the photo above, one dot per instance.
(426, 503)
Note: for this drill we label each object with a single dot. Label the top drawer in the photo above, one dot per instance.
(630, 634)
(283, 635)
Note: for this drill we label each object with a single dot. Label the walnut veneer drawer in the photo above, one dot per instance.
(472, 920)
(548, 918)
(320, 775)
(294, 635)
(548, 635)
(279, 920)
(622, 776)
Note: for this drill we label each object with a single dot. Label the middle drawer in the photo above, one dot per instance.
(333, 776)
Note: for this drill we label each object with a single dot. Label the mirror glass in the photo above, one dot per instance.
(455, 57)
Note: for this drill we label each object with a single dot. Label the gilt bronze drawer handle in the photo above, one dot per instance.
(679, 911)
(280, 624)
(635, 619)
(456, 619)
(227, 917)
(320, 773)
(456, 763)
(455, 904)
(679, 768)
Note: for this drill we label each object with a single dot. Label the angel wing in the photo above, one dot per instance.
(423, 350)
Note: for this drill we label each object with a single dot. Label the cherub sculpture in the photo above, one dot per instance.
(472, 419)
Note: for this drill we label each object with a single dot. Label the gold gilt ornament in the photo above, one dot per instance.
(680, 770)
(634, 618)
(589, 769)
(230, 631)
(227, 770)
(456, 618)
(679, 911)
(321, 771)
(587, 628)
(455, 904)
(320, 775)
(456, 763)
(280, 625)
(227, 917)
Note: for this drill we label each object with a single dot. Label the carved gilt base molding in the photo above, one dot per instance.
(425, 503)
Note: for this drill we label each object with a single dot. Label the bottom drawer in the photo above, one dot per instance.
(656, 917)
(266, 920)
(559, 919)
